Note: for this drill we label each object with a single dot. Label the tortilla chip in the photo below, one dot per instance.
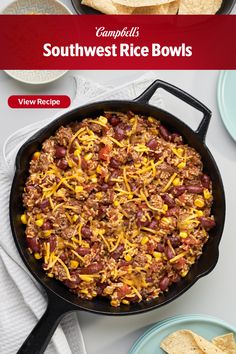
(141, 3)
(107, 7)
(199, 7)
(173, 7)
(187, 342)
(152, 10)
(226, 343)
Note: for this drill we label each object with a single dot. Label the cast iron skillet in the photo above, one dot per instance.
(226, 8)
(60, 300)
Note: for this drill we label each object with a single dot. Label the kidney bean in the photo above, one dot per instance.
(92, 268)
(153, 224)
(152, 144)
(176, 138)
(149, 279)
(160, 247)
(62, 164)
(114, 174)
(139, 221)
(176, 278)
(52, 242)
(102, 212)
(168, 200)
(44, 204)
(75, 159)
(177, 191)
(63, 257)
(119, 133)
(172, 211)
(114, 163)
(175, 242)
(33, 244)
(47, 225)
(72, 284)
(84, 164)
(114, 121)
(206, 181)
(118, 252)
(82, 251)
(100, 288)
(164, 283)
(60, 152)
(195, 189)
(104, 187)
(207, 223)
(86, 232)
(165, 134)
(169, 253)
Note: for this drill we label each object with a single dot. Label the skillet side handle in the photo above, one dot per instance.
(184, 96)
(38, 339)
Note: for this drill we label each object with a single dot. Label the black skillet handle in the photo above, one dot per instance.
(184, 96)
(38, 339)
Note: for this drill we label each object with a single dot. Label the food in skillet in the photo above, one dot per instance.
(155, 7)
(117, 206)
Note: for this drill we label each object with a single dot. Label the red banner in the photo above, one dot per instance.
(117, 42)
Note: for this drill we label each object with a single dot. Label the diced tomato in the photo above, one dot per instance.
(104, 153)
(123, 291)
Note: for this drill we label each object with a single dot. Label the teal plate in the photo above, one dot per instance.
(206, 326)
(227, 100)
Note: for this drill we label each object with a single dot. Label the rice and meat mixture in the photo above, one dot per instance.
(117, 207)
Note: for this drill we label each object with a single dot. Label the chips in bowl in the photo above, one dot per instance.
(155, 7)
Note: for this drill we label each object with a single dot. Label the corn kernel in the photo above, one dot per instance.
(84, 291)
(50, 275)
(79, 189)
(145, 160)
(181, 165)
(75, 218)
(184, 273)
(180, 151)
(103, 120)
(130, 196)
(94, 293)
(128, 257)
(199, 213)
(157, 255)
(23, 219)
(150, 119)
(116, 203)
(165, 207)
(39, 222)
(149, 258)
(88, 156)
(74, 264)
(183, 234)
(166, 220)
(37, 155)
(70, 163)
(47, 233)
(132, 120)
(199, 203)
(37, 255)
(176, 182)
(125, 302)
(99, 195)
(86, 278)
(99, 169)
(207, 194)
(85, 244)
(144, 240)
(114, 303)
(77, 152)
(94, 179)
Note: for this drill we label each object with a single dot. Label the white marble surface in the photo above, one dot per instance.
(214, 294)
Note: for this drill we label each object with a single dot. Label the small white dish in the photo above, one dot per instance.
(49, 7)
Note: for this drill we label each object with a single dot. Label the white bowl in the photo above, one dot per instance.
(50, 7)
